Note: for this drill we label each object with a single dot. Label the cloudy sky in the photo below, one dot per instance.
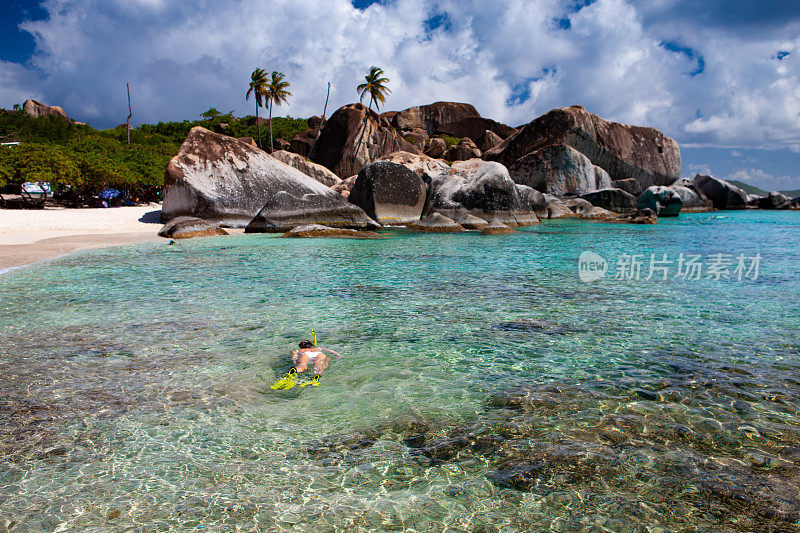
(722, 77)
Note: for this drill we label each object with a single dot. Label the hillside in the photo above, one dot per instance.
(81, 160)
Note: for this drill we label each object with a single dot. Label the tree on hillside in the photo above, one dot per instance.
(376, 87)
(258, 88)
(277, 94)
(212, 113)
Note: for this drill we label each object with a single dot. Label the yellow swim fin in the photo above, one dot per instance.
(286, 382)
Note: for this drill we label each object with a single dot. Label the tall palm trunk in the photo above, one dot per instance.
(271, 148)
(258, 125)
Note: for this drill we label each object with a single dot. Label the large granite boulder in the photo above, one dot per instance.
(353, 137)
(663, 200)
(623, 151)
(463, 151)
(474, 127)
(435, 147)
(226, 181)
(488, 140)
(481, 189)
(318, 230)
(721, 193)
(532, 200)
(389, 193)
(421, 164)
(284, 211)
(558, 170)
(189, 227)
(694, 201)
(612, 199)
(431, 117)
(312, 170)
(37, 109)
(775, 200)
(345, 186)
(629, 185)
(302, 142)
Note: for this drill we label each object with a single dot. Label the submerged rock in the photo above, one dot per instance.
(318, 230)
(470, 222)
(437, 223)
(189, 227)
(663, 200)
(285, 211)
(497, 228)
(225, 181)
(389, 193)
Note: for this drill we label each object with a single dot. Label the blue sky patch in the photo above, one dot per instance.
(690, 53)
(781, 55)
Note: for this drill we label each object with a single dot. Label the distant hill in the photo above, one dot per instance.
(751, 189)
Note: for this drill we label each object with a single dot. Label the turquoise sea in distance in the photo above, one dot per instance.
(483, 386)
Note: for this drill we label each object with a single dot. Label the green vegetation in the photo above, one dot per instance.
(450, 141)
(276, 94)
(258, 89)
(82, 161)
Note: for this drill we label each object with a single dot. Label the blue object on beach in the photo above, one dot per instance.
(108, 194)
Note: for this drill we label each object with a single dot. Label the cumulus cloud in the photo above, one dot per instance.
(764, 180)
(699, 78)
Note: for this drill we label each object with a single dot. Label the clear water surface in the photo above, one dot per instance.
(483, 386)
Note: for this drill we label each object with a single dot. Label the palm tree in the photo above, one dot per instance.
(375, 85)
(258, 88)
(276, 93)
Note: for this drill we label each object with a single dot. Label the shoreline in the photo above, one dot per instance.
(30, 236)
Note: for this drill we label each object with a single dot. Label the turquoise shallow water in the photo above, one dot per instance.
(483, 387)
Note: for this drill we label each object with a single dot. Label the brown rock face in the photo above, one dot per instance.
(353, 137)
(312, 170)
(463, 151)
(302, 142)
(488, 140)
(37, 109)
(473, 127)
(435, 147)
(431, 117)
(623, 151)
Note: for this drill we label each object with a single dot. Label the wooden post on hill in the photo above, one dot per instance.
(130, 113)
(321, 122)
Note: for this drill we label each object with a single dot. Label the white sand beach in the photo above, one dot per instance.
(27, 236)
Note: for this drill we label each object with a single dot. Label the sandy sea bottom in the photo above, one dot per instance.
(483, 387)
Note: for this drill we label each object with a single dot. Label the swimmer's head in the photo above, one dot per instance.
(306, 344)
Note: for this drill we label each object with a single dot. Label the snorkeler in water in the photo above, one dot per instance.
(309, 355)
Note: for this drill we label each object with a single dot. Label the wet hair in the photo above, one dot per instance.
(306, 344)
